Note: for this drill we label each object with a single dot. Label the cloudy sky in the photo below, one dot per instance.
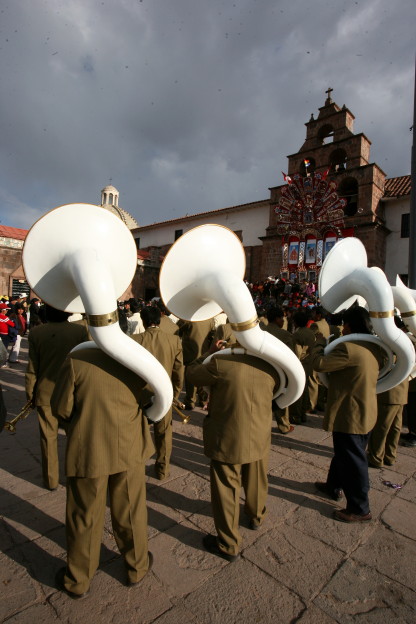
(189, 105)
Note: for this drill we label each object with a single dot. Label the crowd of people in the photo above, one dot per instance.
(102, 406)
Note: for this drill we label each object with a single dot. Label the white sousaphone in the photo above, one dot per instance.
(344, 276)
(81, 258)
(404, 300)
(202, 275)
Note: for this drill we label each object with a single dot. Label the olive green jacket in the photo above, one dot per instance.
(352, 369)
(167, 349)
(99, 398)
(49, 344)
(237, 429)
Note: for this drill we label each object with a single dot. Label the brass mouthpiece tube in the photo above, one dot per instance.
(178, 406)
(10, 425)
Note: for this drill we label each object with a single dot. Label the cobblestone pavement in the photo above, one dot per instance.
(301, 566)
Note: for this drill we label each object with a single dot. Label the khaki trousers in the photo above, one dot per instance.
(226, 482)
(163, 444)
(282, 418)
(48, 429)
(85, 511)
(384, 438)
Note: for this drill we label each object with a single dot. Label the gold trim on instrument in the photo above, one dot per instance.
(407, 314)
(10, 425)
(178, 406)
(102, 320)
(245, 324)
(386, 314)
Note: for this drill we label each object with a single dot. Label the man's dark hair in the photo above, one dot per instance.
(135, 306)
(55, 316)
(358, 320)
(274, 312)
(300, 318)
(320, 310)
(163, 309)
(150, 315)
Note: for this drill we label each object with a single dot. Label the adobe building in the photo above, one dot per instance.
(331, 190)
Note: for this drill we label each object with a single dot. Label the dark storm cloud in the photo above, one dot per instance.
(188, 105)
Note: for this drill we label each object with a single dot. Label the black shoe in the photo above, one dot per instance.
(322, 487)
(371, 465)
(410, 441)
(211, 545)
(407, 436)
(59, 580)
(134, 583)
(253, 524)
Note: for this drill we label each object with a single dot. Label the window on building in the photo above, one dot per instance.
(137, 243)
(326, 134)
(338, 160)
(404, 230)
(178, 234)
(348, 189)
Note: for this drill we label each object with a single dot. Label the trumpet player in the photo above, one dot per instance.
(167, 349)
(49, 344)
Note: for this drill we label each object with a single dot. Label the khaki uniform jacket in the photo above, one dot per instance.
(281, 334)
(304, 339)
(196, 339)
(49, 344)
(353, 371)
(224, 332)
(322, 327)
(237, 429)
(395, 396)
(107, 431)
(168, 326)
(167, 349)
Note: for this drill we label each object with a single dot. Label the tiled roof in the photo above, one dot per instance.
(397, 187)
(11, 232)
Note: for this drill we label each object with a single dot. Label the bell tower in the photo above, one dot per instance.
(332, 150)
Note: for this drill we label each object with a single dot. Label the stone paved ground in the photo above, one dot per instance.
(301, 566)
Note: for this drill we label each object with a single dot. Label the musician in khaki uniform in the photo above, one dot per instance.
(384, 438)
(351, 413)
(49, 344)
(304, 339)
(275, 317)
(316, 390)
(196, 339)
(108, 444)
(167, 349)
(166, 324)
(237, 435)
(224, 333)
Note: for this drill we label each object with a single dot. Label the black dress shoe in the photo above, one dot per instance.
(410, 441)
(371, 465)
(343, 515)
(253, 524)
(322, 487)
(134, 583)
(59, 580)
(211, 545)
